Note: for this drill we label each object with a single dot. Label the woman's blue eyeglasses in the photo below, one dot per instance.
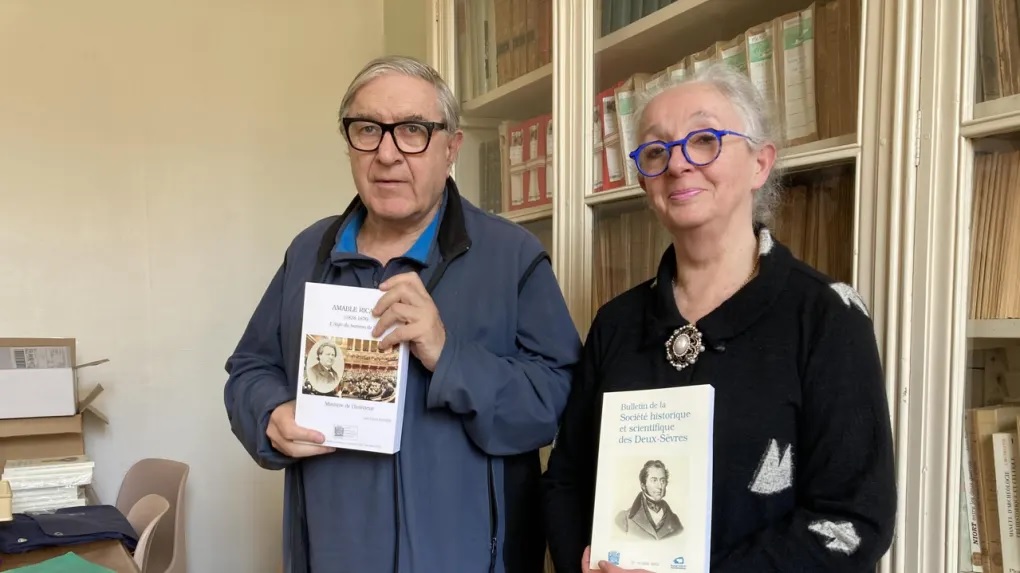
(700, 148)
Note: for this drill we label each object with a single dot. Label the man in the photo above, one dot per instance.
(475, 298)
(650, 517)
(321, 375)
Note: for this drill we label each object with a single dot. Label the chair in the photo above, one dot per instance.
(145, 516)
(167, 478)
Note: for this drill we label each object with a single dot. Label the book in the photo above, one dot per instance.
(347, 388)
(653, 489)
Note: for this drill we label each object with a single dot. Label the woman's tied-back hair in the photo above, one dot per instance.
(757, 113)
(406, 66)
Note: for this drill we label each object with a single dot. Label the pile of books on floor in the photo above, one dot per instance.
(48, 484)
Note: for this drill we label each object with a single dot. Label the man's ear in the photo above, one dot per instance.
(453, 148)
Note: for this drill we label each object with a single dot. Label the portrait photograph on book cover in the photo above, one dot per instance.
(651, 498)
(351, 368)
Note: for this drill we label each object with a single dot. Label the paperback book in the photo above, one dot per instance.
(653, 491)
(347, 388)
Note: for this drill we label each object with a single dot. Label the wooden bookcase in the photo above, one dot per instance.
(854, 171)
(961, 366)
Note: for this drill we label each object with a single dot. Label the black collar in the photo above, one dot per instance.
(734, 315)
(452, 237)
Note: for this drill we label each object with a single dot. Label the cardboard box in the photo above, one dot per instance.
(37, 377)
(41, 437)
(48, 436)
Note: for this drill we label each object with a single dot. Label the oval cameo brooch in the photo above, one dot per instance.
(684, 346)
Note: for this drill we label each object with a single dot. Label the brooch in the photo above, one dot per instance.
(684, 346)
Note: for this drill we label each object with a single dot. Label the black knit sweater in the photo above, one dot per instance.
(804, 478)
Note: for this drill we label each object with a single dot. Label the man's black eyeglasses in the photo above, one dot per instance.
(411, 137)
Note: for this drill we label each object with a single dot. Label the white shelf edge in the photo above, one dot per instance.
(528, 80)
(796, 158)
(993, 328)
(529, 214)
(819, 153)
(477, 122)
(993, 117)
(614, 195)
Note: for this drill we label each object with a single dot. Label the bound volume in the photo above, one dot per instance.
(653, 492)
(347, 388)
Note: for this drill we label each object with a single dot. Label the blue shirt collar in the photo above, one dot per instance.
(419, 251)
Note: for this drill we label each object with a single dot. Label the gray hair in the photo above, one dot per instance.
(757, 112)
(449, 107)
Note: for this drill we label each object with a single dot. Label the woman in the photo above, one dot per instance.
(803, 457)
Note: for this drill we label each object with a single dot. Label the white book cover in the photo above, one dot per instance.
(653, 492)
(347, 388)
(1004, 460)
(974, 557)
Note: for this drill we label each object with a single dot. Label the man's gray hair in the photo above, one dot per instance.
(406, 66)
(757, 113)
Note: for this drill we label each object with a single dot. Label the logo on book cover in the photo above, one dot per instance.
(614, 557)
(678, 564)
(349, 432)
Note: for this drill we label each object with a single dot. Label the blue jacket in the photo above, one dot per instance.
(463, 493)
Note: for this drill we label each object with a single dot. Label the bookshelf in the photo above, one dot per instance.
(534, 75)
(963, 280)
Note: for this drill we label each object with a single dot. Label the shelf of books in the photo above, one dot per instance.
(989, 502)
(804, 56)
(989, 496)
(503, 53)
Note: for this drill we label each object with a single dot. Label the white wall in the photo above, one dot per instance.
(405, 25)
(155, 160)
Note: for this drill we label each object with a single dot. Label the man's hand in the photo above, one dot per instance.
(604, 566)
(283, 432)
(406, 303)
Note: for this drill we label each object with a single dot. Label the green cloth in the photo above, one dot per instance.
(66, 563)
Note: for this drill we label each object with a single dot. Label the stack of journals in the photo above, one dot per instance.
(48, 484)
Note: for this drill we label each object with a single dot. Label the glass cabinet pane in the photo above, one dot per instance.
(815, 219)
(628, 246)
(995, 239)
(503, 53)
(542, 228)
(998, 50)
(992, 397)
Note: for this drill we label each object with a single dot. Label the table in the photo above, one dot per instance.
(109, 553)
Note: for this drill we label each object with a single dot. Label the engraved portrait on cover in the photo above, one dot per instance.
(324, 366)
(351, 368)
(648, 515)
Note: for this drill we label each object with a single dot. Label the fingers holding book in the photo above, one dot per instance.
(290, 439)
(408, 306)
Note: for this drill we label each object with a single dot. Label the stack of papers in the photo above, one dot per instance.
(48, 484)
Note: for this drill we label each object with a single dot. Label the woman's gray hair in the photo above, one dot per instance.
(449, 107)
(757, 112)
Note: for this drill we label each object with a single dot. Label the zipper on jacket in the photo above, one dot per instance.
(493, 519)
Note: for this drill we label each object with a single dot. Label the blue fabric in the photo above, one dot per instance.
(66, 526)
(419, 251)
(498, 390)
